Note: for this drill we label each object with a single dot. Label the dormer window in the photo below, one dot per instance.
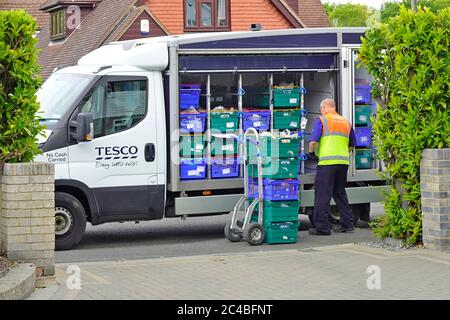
(57, 25)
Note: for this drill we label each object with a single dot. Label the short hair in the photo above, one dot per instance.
(328, 102)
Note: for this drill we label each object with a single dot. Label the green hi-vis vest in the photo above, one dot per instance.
(333, 145)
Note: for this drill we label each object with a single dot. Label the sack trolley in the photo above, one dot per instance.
(237, 229)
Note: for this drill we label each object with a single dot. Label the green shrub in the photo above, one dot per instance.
(409, 59)
(19, 81)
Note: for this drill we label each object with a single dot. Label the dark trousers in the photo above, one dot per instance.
(330, 183)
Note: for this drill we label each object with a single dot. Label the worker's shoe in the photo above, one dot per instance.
(341, 229)
(316, 232)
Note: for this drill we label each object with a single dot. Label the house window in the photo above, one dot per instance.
(206, 15)
(57, 27)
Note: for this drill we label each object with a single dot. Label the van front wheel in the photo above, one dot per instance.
(70, 221)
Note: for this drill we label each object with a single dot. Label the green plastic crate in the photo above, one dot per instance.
(281, 232)
(286, 97)
(224, 121)
(192, 146)
(286, 119)
(274, 168)
(256, 98)
(221, 146)
(278, 211)
(274, 147)
(362, 115)
(364, 159)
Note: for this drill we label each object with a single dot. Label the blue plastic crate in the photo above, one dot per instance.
(189, 96)
(277, 190)
(260, 120)
(363, 137)
(193, 123)
(192, 169)
(362, 94)
(224, 168)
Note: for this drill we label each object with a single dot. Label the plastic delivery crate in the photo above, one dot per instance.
(192, 169)
(277, 211)
(260, 120)
(276, 147)
(278, 190)
(277, 168)
(286, 119)
(192, 123)
(364, 159)
(285, 97)
(363, 137)
(224, 168)
(192, 146)
(362, 115)
(189, 96)
(256, 98)
(222, 147)
(362, 94)
(224, 121)
(281, 232)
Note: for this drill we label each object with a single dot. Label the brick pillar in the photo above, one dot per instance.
(435, 193)
(27, 214)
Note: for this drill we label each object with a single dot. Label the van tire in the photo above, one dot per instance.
(69, 210)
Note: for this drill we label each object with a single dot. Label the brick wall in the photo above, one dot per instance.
(435, 193)
(27, 221)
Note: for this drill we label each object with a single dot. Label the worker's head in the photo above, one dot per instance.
(327, 105)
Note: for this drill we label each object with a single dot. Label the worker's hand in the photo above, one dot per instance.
(312, 156)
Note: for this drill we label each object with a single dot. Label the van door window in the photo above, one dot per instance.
(116, 106)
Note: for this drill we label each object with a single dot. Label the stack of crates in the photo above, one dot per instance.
(363, 128)
(224, 152)
(286, 105)
(192, 126)
(280, 170)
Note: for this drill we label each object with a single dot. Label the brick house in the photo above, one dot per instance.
(72, 28)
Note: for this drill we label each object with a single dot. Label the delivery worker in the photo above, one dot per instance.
(335, 137)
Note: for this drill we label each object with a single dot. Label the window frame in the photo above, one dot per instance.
(58, 23)
(104, 83)
(215, 23)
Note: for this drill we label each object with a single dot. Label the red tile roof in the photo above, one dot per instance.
(313, 13)
(95, 30)
(31, 6)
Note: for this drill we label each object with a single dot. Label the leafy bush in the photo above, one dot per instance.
(409, 59)
(19, 81)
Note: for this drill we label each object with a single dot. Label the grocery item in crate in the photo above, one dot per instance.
(224, 168)
(363, 137)
(193, 123)
(192, 169)
(189, 96)
(258, 119)
(221, 146)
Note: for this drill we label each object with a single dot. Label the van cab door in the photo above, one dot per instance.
(120, 164)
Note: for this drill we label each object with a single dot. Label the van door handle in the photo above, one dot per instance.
(149, 152)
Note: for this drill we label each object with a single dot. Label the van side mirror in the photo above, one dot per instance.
(83, 128)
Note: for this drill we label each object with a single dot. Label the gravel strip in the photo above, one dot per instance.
(4, 267)
(387, 246)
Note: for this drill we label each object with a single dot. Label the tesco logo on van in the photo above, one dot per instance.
(117, 152)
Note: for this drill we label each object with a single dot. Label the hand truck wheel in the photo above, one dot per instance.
(232, 235)
(254, 234)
